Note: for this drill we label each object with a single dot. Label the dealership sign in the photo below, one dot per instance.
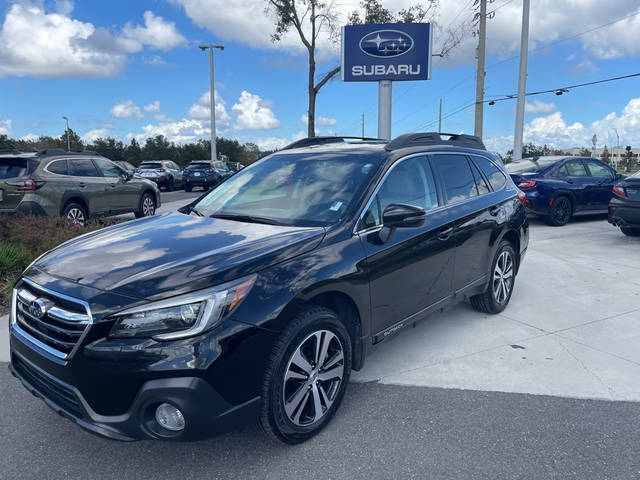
(390, 51)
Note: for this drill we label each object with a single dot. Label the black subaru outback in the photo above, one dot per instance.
(256, 301)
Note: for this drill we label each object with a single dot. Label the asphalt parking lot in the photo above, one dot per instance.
(548, 389)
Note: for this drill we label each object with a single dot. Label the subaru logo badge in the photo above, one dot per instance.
(38, 308)
(386, 43)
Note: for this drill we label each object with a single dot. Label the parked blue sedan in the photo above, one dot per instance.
(559, 187)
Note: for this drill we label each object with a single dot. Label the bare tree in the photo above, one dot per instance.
(312, 18)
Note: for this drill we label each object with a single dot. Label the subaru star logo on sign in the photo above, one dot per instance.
(397, 51)
(386, 43)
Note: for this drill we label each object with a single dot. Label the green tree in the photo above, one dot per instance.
(585, 152)
(133, 153)
(109, 147)
(5, 143)
(159, 148)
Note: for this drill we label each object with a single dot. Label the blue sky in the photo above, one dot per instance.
(101, 63)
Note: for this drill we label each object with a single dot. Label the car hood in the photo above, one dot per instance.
(174, 253)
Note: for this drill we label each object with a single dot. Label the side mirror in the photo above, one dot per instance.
(401, 215)
(128, 176)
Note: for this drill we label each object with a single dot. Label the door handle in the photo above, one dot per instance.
(494, 211)
(82, 184)
(445, 233)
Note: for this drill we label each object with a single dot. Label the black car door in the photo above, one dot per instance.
(410, 272)
(476, 215)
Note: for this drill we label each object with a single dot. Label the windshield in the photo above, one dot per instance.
(219, 165)
(529, 165)
(13, 167)
(289, 189)
(153, 165)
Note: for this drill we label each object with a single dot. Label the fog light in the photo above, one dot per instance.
(170, 417)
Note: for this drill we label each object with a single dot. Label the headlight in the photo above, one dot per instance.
(182, 316)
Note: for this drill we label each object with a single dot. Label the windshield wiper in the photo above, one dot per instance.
(247, 218)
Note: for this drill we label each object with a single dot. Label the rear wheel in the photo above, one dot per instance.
(75, 213)
(188, 188)
(560, 211)
(147, 206)
(631, 232)
(503, 273)
(306, 376)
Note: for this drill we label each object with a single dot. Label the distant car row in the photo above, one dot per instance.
(559, 188)
(200, 173)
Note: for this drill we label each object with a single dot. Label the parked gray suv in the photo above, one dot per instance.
(74, 184)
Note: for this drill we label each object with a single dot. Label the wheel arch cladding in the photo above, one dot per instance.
(514, 239)
(74, 198)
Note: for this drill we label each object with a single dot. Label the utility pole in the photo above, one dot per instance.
(214, 153)
(362, 124)
(68, 139)
(482, 42)
(440, 118)
(522, 83)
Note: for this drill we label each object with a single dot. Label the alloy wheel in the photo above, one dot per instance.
(313, 377)
(561, 210)
(76, 216)
(148, 207)
(503, 277)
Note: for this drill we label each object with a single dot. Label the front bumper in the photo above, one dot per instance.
(206, 413)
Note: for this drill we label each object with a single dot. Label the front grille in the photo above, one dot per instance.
(50, 320)
(48, 387)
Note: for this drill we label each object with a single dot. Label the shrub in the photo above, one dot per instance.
(23, 238)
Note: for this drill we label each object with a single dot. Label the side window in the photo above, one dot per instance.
(495, 176)
(59, 167)
(480, 182)
(456, 177)
(575, 168)
(410, 182)
(599, 170)
(82, 167)
(108, 169)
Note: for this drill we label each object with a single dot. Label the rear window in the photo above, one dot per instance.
(59, 167)
(82, 168)
(199, 166)
(151, 165)
(13, 167)
(456, 176)
(495, 176)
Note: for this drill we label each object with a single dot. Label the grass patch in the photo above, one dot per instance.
(23, 238)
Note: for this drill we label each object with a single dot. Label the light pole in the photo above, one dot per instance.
(617, 150)
(522, 82)
(212, 96)
(68, 140)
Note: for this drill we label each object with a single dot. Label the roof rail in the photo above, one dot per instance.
(58, 151)
(435, 138)
(308, 142)
(9, 150)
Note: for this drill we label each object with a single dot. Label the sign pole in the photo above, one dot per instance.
(384, 109)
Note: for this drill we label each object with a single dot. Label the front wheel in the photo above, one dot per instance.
(502, 277)
(631, 232)
(306, 376)
(147, 206)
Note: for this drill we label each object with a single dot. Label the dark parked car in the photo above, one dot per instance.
(624, 208)
(165, 173)
(222, 169)
(257, 300)
(76, 185)
(200, 173)
(560, 187)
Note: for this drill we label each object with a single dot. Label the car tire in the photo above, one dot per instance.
(502, 279)
(560, 211)
(299, 398)
(76, 214)
(146, 207)
(631, 232)
(169, 186)
(188, 188)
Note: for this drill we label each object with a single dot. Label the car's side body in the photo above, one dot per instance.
(54, 180)
(586, 182)
(378, 287)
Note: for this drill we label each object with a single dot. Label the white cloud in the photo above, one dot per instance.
(40, 43)
(30, 137)
(180, 131)
(276, 143)
(5, 127)
(538, 106)
(152, 107)
(253, 113)
(554, 131)
(320, 121)
(126, 109)
(161, 117)
(201, 110)
(92, 135)
(156, 33)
